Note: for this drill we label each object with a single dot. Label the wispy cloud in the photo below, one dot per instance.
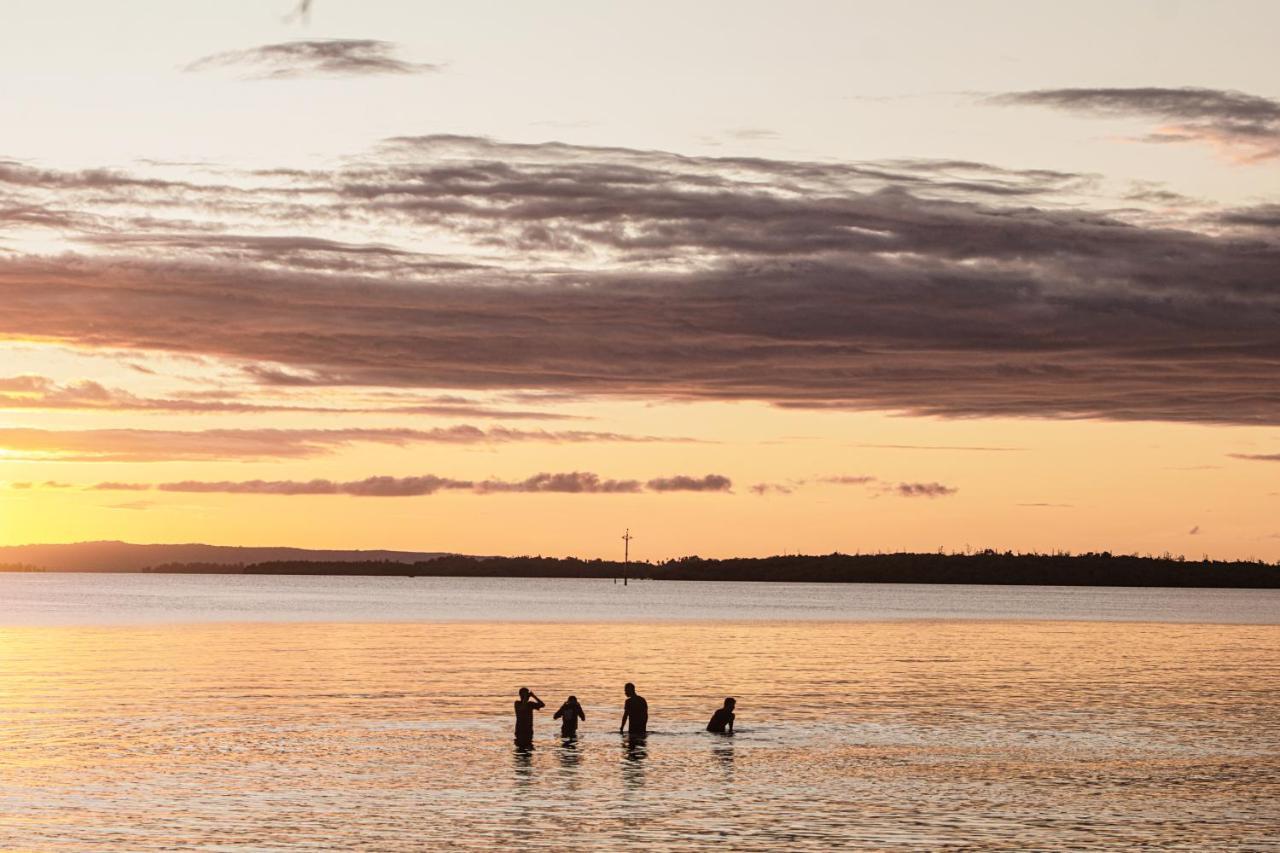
(301, 12)
(923, 490)
(572, 482)
(42, 393)
(884, 487)
(1256, 457)
(315, 57)
(143, 445)
(1246, 126)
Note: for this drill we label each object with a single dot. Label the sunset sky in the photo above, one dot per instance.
(746, 278)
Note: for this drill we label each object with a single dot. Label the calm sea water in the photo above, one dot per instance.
(232, 713)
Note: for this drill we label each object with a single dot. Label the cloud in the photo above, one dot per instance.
(1256, 457)
(923, 490)
(1248, 126)
(763, 489)
(42, 393)
(881, 487)
(572, 482)
(1047, 505)
(682, 483)
(925, 288)
(37, 392)
(142, 445)
(903, 490)
(1261, 216)
(301, 12)
(315, 57)
(369, 487)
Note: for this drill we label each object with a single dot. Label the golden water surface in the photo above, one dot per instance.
(924, 734)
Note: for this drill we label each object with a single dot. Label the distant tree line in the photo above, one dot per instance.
(20, 567)
(981, 567)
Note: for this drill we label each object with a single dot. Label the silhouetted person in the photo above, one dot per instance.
(568, 715)
(525, 706)
(722, 719)
(636, 710)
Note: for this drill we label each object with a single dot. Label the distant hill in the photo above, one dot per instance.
(127, 557)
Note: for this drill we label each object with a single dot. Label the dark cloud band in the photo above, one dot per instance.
(891, 286)
(1245, 123)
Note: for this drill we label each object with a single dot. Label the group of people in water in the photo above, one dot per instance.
(635, 715)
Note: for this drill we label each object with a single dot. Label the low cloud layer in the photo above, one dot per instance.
(876, 484)
(572, 482)
(848, 479)
(42, 393)
(932, 288)
(1246, 126)
(1256, 457)
(923, 490)
(315, 57)
(143, 445)
(682, 483)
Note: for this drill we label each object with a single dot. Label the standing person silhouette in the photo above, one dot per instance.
(723, 717)
(525, 706)
(636, 710)
(568, 715)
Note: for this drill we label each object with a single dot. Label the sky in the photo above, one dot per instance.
(743, 278)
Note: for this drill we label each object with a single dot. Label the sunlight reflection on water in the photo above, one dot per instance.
(397, 736)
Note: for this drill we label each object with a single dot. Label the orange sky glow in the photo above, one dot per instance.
(383, 277)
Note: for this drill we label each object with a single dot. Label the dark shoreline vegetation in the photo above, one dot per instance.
(982, 567)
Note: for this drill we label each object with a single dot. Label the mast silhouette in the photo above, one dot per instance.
(626, 554)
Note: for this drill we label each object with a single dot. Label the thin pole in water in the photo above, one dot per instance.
(626, 553)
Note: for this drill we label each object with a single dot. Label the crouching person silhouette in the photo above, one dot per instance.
(722, 719)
